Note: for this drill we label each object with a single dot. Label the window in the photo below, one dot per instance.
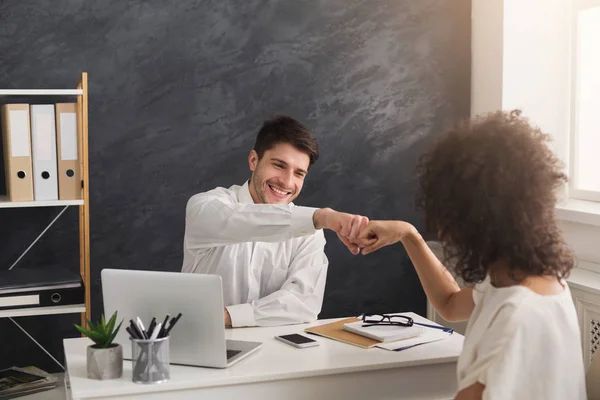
(585, 109)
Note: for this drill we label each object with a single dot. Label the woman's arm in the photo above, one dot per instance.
(473, 392)
(449, 300)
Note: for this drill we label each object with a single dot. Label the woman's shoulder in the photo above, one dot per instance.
(497, 298)
(518, 307)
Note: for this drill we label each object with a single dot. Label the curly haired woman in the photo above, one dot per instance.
(488, 188)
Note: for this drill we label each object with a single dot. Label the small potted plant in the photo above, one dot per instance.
(104, 358)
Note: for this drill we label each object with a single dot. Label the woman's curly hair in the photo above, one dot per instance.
(488, 188)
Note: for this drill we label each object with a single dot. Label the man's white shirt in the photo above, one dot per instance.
(270, 256)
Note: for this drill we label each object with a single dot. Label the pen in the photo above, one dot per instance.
(151, 326)
(435, 327)
(135, 329)
(141, 326)
(131, 332)
(155, 333)
(172, 324)
(164, 326)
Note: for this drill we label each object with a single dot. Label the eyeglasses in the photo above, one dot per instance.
(384, 319)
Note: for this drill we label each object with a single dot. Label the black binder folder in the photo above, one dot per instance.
(29, 287)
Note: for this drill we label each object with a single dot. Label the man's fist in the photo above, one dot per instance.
(347, 226)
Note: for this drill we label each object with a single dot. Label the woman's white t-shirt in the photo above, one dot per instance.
(522, 345)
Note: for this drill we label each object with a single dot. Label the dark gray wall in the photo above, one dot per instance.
(178, 90)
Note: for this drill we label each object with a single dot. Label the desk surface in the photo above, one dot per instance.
(274, 361)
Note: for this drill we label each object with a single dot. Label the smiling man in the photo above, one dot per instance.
(268, 251)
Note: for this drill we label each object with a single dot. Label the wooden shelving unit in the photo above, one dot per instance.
(81, 94)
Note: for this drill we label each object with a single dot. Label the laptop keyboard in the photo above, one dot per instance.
(232, 353)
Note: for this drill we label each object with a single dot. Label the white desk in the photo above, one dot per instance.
(330, 371)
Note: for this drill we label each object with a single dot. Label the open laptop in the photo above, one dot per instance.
(198, 339)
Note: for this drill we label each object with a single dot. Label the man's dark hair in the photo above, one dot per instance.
(488, 187)
(284, 129)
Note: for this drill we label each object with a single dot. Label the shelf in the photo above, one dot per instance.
(24, 312)
(4, 203)
(40, 92)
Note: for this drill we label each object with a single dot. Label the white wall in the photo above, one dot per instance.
(521, 59)
(536, 65)
(486, 55)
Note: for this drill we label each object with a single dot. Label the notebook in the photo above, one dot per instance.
(429, 336)
(383, 333)
(335, 331)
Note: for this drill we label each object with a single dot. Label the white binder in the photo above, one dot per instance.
(43, 143)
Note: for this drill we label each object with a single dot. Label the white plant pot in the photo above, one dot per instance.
(105, 363)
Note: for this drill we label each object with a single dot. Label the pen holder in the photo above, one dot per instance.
(150, 360)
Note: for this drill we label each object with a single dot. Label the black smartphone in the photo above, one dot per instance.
(296, 340)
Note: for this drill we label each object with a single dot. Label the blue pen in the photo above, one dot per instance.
(449, 330)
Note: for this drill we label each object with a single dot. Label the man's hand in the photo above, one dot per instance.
(347, 226)
(378, 234)
(227, 318)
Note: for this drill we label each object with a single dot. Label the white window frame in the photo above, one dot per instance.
(575, 193)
